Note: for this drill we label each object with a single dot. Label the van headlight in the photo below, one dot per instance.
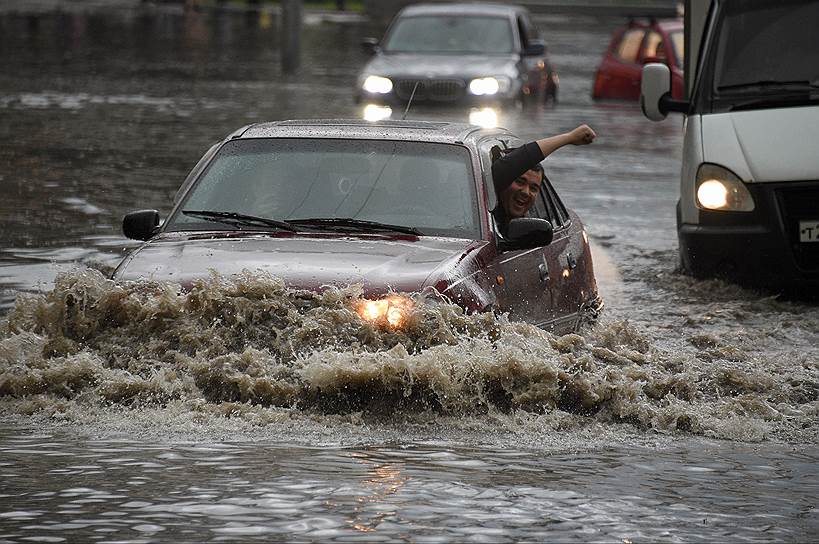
(377, 85)
(488, 86)
(720, 189)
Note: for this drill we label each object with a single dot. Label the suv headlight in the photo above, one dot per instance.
(488, 86)
(377, 84)
(720, 189)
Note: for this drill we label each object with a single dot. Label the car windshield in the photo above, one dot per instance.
(450, 34)
(766, 47)
(371, 185)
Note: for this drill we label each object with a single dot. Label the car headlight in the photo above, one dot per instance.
(377, 84)
(488, 86)
(720, 189)
(391, 310)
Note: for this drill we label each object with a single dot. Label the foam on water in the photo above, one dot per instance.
(252, 350)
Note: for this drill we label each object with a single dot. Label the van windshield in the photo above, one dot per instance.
(767, 49)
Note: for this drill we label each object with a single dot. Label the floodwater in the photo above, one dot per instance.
(242, 411)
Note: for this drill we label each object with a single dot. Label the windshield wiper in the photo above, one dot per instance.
(770, 85)
(347, 223)
(239, 219)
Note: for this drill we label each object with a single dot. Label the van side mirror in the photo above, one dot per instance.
(535, 48)
(370, 45)
(140, 225)
(527, 233)
(655, 93)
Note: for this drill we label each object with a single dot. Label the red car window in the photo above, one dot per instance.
(629, 45)
(655, 46)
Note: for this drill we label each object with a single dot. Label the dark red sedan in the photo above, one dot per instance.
(397, 206)
(640, 42)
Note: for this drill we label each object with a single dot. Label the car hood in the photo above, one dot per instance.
(764, 145)
(431, 66)
(380, 263)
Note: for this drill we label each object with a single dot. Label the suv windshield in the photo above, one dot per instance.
(371, 185)
(765, 49)
(450, 34)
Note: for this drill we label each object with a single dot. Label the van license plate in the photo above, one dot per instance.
(809, 231)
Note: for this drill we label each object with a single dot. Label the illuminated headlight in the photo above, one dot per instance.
(488, 86)
(377, 85)
(392, 310)
(720, 189)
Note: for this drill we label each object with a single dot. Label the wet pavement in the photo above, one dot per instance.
(103, 112)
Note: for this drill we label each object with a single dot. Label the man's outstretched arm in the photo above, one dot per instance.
(509, 167)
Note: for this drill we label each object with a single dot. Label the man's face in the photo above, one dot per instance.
(520, 196)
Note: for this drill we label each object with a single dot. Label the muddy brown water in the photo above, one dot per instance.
(244, 411)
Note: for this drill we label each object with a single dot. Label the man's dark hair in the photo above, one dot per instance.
(538, 168)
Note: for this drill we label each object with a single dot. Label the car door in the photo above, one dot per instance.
(570, 267)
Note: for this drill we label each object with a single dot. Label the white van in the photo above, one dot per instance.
(749, 191)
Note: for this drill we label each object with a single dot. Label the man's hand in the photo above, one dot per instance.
(582, 135)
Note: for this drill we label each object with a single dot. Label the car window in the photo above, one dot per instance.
(450, 34)
(556, 212)
(429, 186)
(654, 46)
(540, 209)
(629, 46)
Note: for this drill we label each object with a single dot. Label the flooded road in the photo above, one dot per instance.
(689, 414)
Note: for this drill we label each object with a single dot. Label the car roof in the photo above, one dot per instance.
(413, 131)
(462, 9)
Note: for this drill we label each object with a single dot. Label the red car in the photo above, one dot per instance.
(639, 43)
(395, 206)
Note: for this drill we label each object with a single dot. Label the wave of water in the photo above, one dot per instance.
(249, 348)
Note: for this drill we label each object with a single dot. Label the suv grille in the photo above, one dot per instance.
(800, 203)
(439, 90)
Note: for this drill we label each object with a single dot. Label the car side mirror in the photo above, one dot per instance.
(535, 48)
(140, 225)
(655, 93)
(370, 45)
(527, 233)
